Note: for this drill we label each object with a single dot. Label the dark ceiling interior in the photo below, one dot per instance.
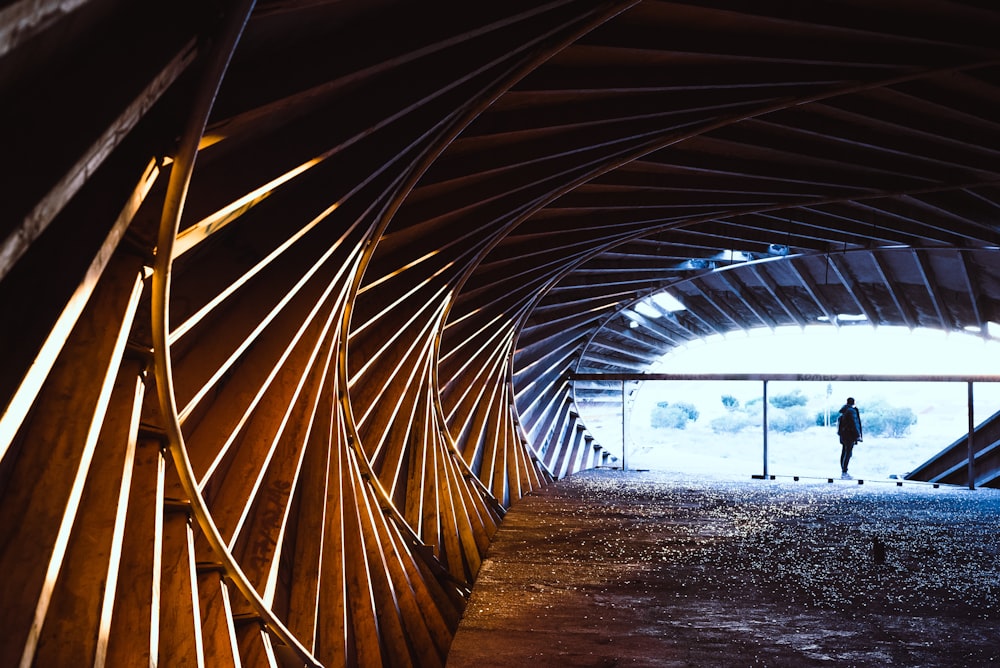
(393, 230)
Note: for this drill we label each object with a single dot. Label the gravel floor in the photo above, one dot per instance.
(612, 568)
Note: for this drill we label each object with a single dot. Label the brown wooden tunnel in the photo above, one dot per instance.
(292, 290)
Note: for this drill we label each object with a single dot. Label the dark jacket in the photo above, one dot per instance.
(849, 424)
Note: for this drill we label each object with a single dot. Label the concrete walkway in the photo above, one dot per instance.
(612, 568)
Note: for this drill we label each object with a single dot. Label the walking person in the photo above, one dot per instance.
(849, 431)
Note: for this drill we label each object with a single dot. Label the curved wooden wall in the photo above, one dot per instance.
(290, 289)
(223, 440)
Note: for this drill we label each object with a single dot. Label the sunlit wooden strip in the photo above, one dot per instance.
(392, 308)
(39, 218)
(310, 279)
(546, 408)
(478, 518)
(329, 610)
(565, 444)
(135, 625)
(415, 616)
(466, 390)
(217, 626)
(308, 529)
(532, 480)
(232, 496)
(467, 481)
(383, 409)
(496, 453)
(479, 391)
(513, 447)
(180, 610)
(242, 281)
(121, 506)
(527, 475)
(418, 472)
(494, 334)
(245, 387)
(194, 234)
(56, 456)
(447, 521)
(473, 445)
(390, 631)
(361, 607)
(76, 628)
(386, 436)
(255, 645)
(456, 366)
(435, 589)
(430, 518)
(263, 535)
(394, 275)
(390, 342)
(553, 440)
(571, 450)
(472, 536)
(15, 412)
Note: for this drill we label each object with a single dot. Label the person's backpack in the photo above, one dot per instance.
(847, 426)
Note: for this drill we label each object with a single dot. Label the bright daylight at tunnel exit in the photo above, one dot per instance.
(715, 426)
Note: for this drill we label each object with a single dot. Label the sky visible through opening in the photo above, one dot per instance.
(848, 350)
(941, 408)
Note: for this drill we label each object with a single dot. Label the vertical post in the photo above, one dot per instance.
(829, 393)
(972, 452)
(624, 442)
(765, 427)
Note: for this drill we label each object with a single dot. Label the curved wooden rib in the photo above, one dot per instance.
(282, 427)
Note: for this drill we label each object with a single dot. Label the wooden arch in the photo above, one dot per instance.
(291, 290)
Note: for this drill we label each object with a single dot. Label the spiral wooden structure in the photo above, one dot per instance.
(292, 290)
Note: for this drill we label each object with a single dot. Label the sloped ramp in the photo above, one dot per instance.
(951, 465)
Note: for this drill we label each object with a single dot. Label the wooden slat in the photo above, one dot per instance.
(133, 639)
(331, 607)
(362, 611)
(16, 410)
(75, 631)
(391, 635)
(417, 616)
(313, 511)
(180, 610)
(218, 629)
(261, 538)
(463, 559)
(238, 481)
(37, 527)
(255, 646)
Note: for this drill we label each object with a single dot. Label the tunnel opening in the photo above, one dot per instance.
(718, 426)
